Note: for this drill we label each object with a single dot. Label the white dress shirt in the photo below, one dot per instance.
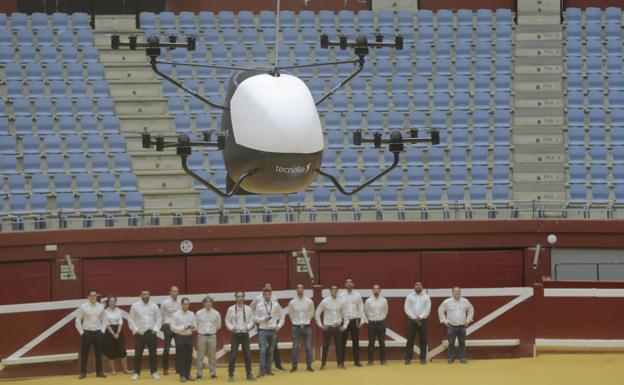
(332, 310)
(180, 322)
(268, 309)
(417, 305)
(114, 316)
(353, 305)
(168, 307)
(239, 319)
(144, 317)
(208, 321)
(376, 308)
(456, 312)
(300, 310)
(91, 317)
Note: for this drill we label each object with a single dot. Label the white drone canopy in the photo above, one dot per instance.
(276, 114)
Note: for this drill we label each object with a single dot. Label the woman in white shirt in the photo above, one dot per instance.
(114, 340)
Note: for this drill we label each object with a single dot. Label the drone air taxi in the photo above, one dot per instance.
(271, 136)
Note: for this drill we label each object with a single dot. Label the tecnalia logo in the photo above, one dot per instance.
(293, 170)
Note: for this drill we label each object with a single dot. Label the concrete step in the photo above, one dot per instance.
(115, 23)
(537, 19)
(135, 88)
(548, 173)
(537, 82)
(128, 71)
(156, 161)
(540, 154)
(541, 138)
(538, 117)
(156, 124)
(108, 55)
(134, 106)
(164, 180)
(538, 65)
(538, 32)
(539, 196)
(528, 6)
(171, 199)
(538, 99)
(537, 48)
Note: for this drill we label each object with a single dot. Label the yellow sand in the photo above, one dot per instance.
(581, 369)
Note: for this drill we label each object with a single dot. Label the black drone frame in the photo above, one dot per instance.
(183, 145)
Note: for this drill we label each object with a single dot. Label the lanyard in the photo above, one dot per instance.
(269, 309)
(236, 314)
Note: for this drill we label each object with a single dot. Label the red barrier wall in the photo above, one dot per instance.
(8, 6)
(593, 3)
(259, 5)
(459, 4)
(22, 282)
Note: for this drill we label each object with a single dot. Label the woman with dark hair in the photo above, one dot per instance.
(114, 341)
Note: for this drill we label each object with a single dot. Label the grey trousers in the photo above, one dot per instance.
(207, 344)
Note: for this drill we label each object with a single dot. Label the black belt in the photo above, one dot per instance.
(266, 330)
(457, 326)
(301, 326)
(376, 322)
(206, 334)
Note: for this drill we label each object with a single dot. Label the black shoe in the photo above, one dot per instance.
(341, 366)
(407, 362)
(384, 362)
(422, 362)
(280, 368)
(322, 366)
(101, 375)
(293, 369)
(370, 363)
(190, 379)
(214, 376)
(250, 377)
(182, 379)
(463, 361)
(450, 361)
(309, 369)
(198, 377)
(261, 374)
(357, 364)
(82, 376)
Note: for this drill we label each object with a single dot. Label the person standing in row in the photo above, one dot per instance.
(376, 311)
(277, 359)
(183, 325)
(301, 311)
(144, 321)
(167, 308)
(91, 324)
(239, 320)
(268, 317)
(417, 307)
(114, 339)
(332, 312)
(208, 324)
(354, 318)
(456, 313)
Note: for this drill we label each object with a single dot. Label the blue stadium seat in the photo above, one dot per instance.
(84, 183)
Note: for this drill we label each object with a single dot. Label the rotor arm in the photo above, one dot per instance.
(209, 185)
(343, 82)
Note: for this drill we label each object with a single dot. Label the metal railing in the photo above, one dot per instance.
(597, 266)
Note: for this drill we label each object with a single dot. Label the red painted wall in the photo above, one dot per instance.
(259, 5)
(473, 269)
(8, 6)
(459, 4)
(223, 273)
(128, 276)
(593, 3)
(22, 282)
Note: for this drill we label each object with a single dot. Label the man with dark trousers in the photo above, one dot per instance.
(91, 324)
(277, 359)
(167, 308)
(239, 320)
(376, 311)
(417, 308)
(330, 309)
(144, 321)
(353, 309)
(183, 324)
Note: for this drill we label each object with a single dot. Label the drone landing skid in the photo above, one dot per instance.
(231, 192)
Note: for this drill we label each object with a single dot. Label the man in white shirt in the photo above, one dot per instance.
(354, 318)
(167, 308)
(183, 325)
(332, 324)
(376, 311)
(208, 324)
(456, 313)
(301, 311)
(144, 321)
(277, 359)
(91, 324)
(239, 320)
(417, 308)
(268, 317)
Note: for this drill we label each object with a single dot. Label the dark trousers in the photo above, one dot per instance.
(327, 336)
(242, 340)
(414, 328)
(140, 340)
(377, 332)
(353, 329)
(184, 355)
(459, 333)
(87, 339)
(168, 335)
